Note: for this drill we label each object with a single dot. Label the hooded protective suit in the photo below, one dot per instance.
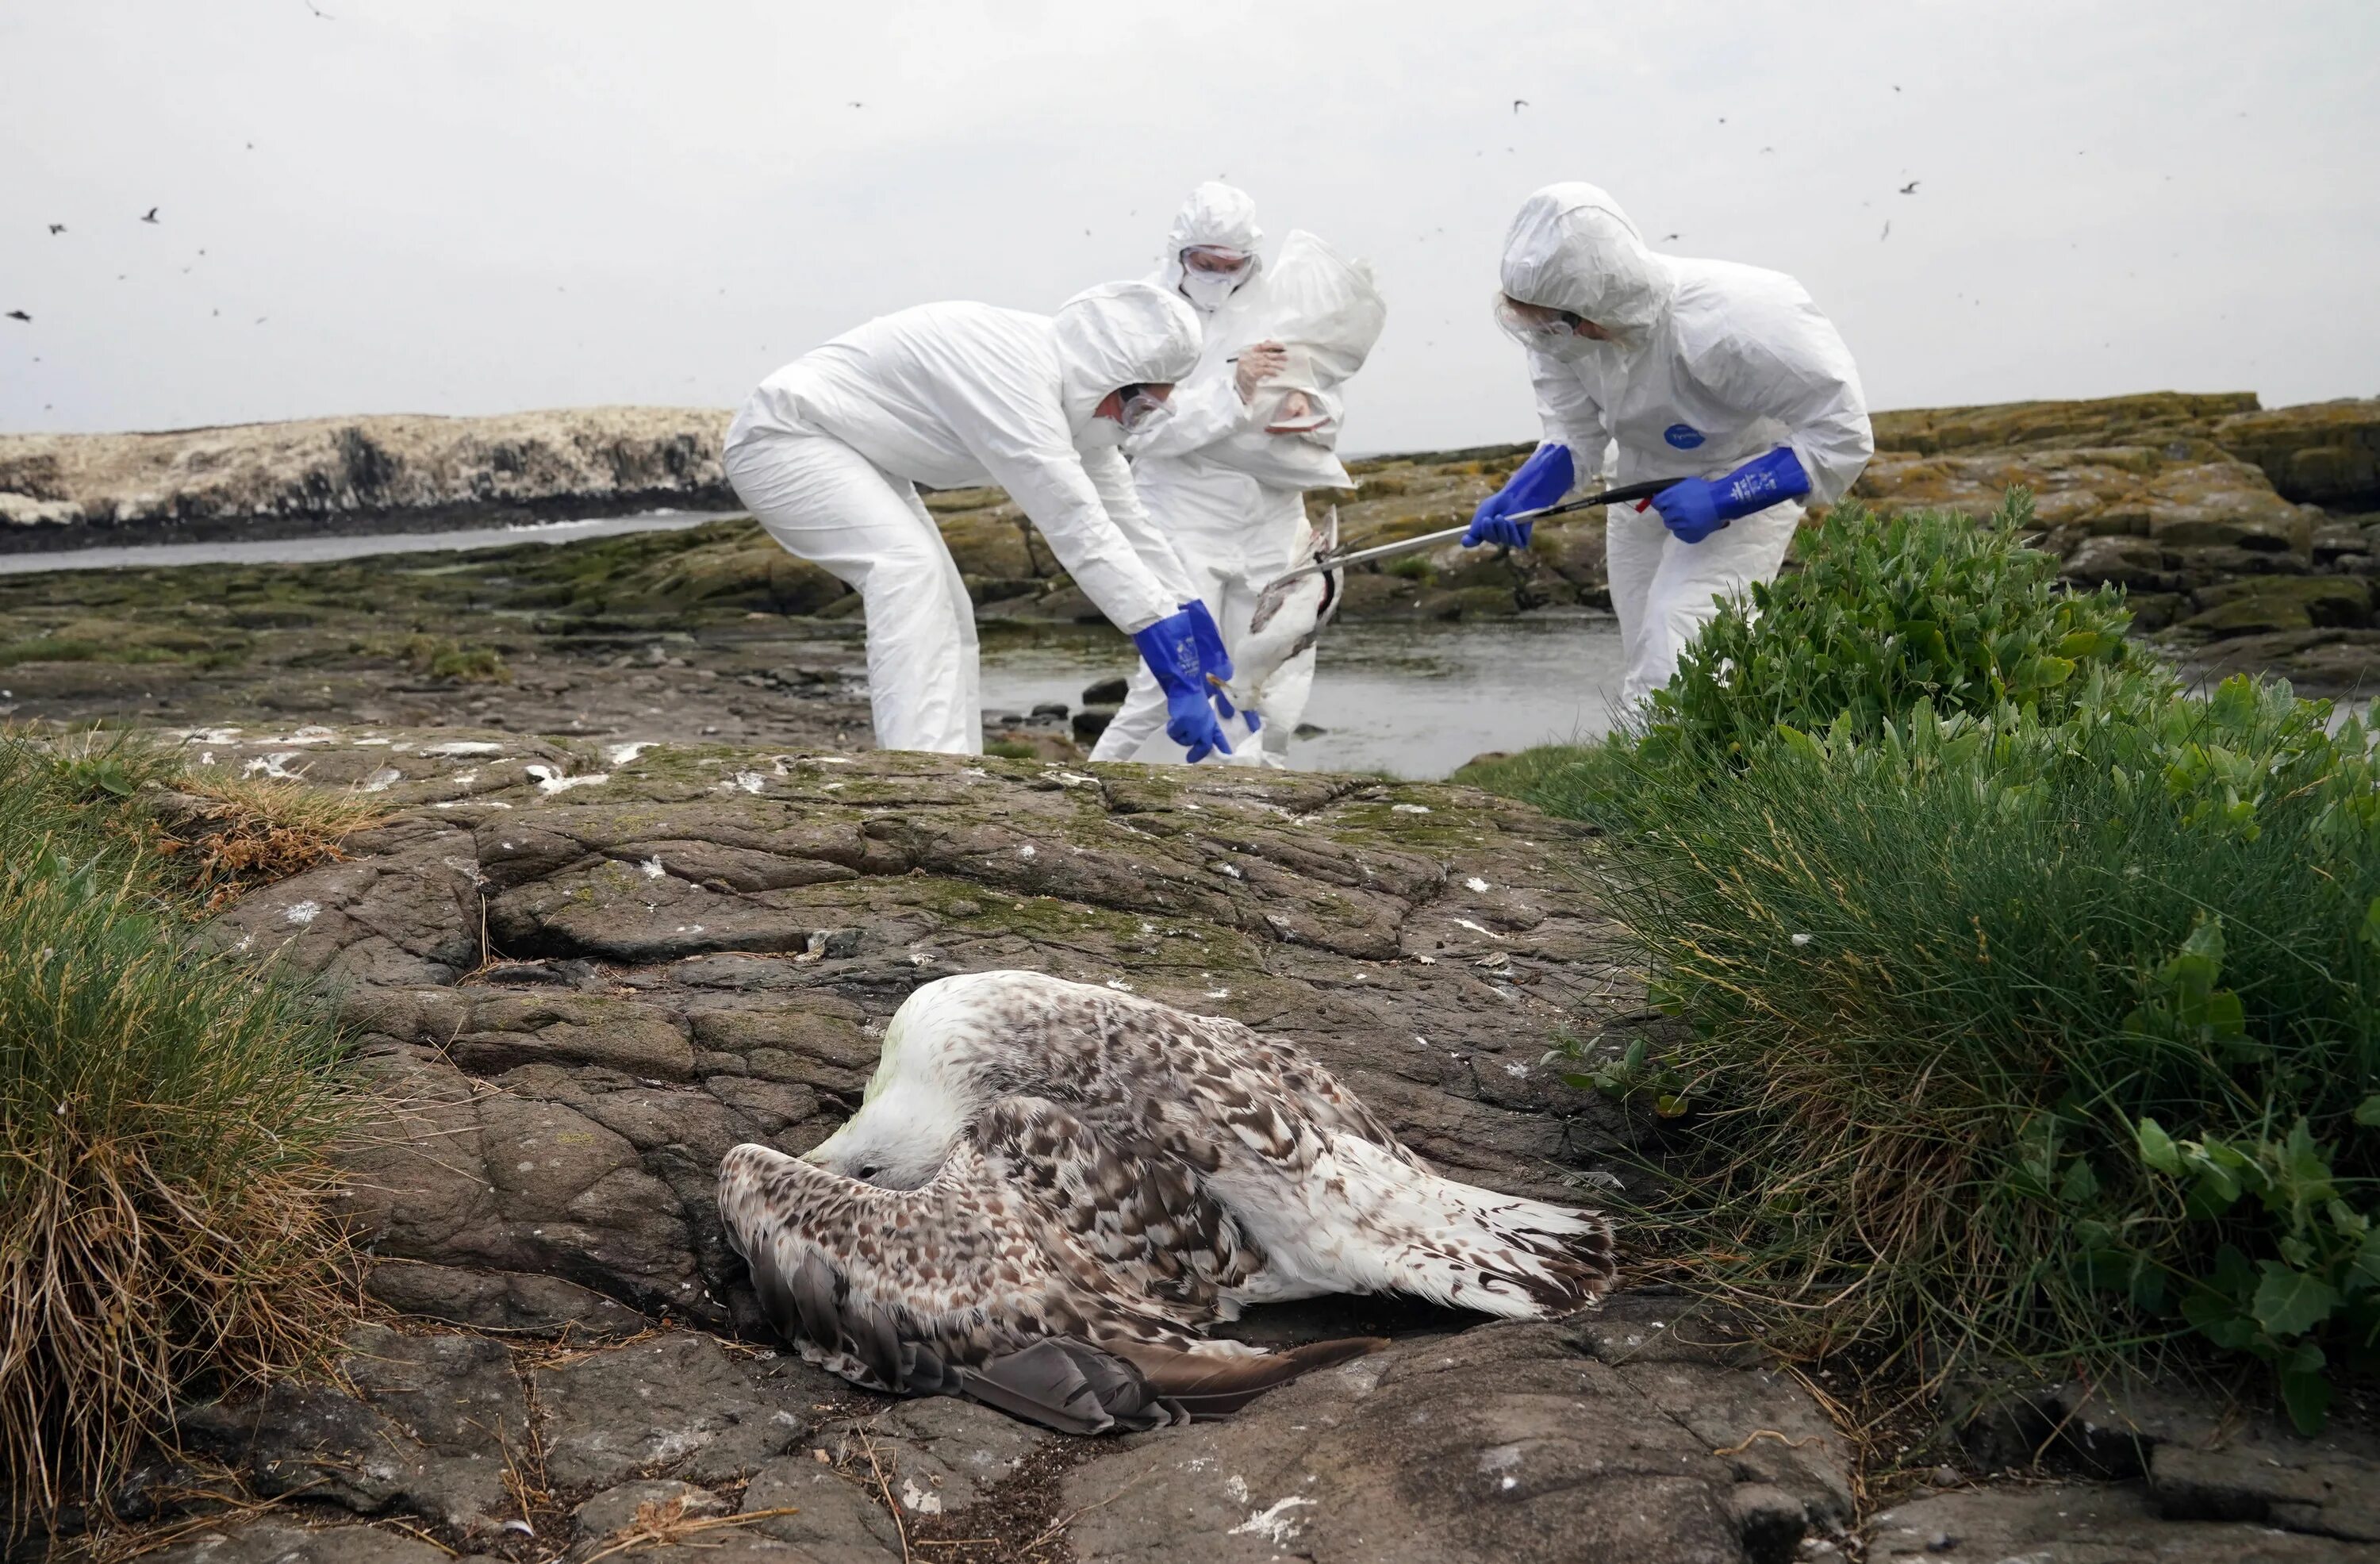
(1712, 364)
(1229, 495)
(828, 452)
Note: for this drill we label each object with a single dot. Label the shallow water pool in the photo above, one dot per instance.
(1413, 700)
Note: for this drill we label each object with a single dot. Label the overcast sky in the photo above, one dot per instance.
(467, 206)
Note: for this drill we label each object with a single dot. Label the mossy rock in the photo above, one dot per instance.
(2282, 603)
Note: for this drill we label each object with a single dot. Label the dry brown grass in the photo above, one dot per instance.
(226, 836)
(166, 1217)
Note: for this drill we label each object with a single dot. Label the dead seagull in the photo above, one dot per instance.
(150, 216)
(1079, 1180)
(20, 315)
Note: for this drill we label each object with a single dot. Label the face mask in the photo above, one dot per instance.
(1206, 290)
(1139, 411)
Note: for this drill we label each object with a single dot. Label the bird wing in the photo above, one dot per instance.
(1143, 1212)
(961, 1287)
(1122, 1062)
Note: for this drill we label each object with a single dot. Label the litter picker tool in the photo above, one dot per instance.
(1338, 559)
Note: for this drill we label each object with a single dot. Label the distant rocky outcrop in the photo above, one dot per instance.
(401, 469)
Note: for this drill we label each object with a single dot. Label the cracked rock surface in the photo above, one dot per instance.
(577, 975)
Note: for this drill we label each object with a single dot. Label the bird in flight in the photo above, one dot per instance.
(150, 215)
(319, 12)
(58, 227)
(1887, 231)
(1667, 237)
(1520, 104)
(20, 315)
(1909, 189)
(854, 102)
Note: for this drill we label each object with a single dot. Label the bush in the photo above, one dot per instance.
(1883, 614)
(2031, 1012)
(163, 1116)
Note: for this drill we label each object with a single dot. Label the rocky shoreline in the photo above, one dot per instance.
(2248, 538)
(387, 473)
(576, 976)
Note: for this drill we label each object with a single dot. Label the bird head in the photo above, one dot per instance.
(906, 1124)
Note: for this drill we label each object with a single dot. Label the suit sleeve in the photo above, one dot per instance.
(1205, 409)
(1569, 415)
(1792, 366)
(1019, 433)
(1113, 479)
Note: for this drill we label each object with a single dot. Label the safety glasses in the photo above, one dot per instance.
(1135, 405)
(1214, 260)
(1534, 325)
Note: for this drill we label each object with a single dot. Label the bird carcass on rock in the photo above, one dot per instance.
(1288, 617)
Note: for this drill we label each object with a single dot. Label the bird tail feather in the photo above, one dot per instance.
(1472, 1248)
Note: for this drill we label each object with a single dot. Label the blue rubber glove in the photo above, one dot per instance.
(1542, 480)
(1214, 661)
(1171, 649)
(1695, 507)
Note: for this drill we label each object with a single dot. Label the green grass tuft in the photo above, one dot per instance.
(165, 1118)
(2032, 1007)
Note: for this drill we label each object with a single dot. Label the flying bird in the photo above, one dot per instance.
(20, 315)
(1081, 1179)
(1520, 104)
(1887, 231)
(58, 227)
(319, 12)
(1667, 237)
(150, 216)
(1911, 187)
(854, 102)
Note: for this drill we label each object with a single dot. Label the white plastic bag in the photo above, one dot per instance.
(1327, 312)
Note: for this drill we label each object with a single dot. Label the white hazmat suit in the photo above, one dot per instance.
(828, 452)
(1712, 364)
(1230, 497)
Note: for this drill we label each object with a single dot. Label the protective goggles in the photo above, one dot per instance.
(1215, 259)
(1135, 405)
(1534, 324)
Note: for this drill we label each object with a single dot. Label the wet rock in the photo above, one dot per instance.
(2282, 603)
(1106, 692)
(1508, 1443)
(427, 1431)
(1088, 725)
(2078, 1524)
(276, 1540)
(676, 1406)
(499, 1301)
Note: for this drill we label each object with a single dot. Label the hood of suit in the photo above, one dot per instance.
(1571, 248)
(1121, 334)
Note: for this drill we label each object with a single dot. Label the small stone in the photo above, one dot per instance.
(1947, 1477)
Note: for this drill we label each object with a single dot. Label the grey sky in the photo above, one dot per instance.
(473, 206)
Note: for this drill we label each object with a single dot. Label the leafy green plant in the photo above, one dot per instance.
(2029, 1010)
(1885, 612)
